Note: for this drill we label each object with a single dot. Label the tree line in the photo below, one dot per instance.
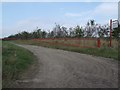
(90, 30)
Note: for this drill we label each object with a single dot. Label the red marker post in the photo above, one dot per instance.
(98, 43)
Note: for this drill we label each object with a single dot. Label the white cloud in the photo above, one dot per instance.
(106, 9)
(104, 12)
(77, 14)
(26, 25)
(31, 24)
(73, 14)
(59, 0)
(103, 9)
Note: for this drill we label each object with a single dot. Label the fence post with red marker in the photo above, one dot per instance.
(98, 42)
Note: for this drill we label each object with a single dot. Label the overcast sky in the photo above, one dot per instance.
(20, 16)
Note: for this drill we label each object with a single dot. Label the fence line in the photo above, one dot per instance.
(74, 42)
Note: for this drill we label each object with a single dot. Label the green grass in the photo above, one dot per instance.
(15, 60)
(104, 51)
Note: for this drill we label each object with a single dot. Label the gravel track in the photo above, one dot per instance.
(64, 69)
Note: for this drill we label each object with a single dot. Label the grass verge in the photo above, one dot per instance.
(104, 51)
(15, 60)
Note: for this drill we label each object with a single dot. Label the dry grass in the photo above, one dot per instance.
(78, 42)
(105, 43)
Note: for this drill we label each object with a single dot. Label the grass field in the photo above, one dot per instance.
(104, 51)
(15, 60)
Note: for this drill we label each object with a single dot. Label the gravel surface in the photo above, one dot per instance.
(64, 69)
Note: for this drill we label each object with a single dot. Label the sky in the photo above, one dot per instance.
(27, 16)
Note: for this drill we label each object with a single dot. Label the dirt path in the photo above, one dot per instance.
(63, 69)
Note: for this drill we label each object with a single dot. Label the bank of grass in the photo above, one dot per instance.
(15, 60)
(104, 51)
